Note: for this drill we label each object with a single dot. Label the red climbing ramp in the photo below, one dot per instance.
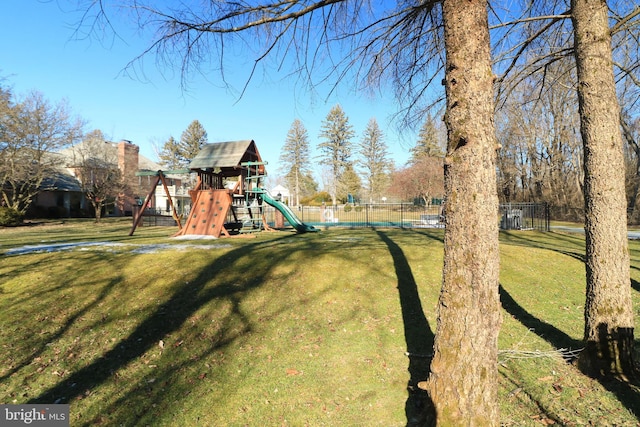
(208, 214)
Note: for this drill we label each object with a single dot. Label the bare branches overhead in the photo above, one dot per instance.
(395, 46)
(542, 36)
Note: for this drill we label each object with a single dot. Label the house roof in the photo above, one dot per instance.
(144, 163)
(61, 180)
(280, 189)
(64, 180)
(225, 154)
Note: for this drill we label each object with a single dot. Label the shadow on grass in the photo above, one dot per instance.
(167, 318)
(39, 349)
(418, 335)
(627, 393)
(436, 234)
(565, 244)
(546, 331)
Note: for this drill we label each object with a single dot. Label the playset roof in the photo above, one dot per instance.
(228, 154)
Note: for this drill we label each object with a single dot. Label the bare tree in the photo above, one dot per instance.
(95, 164)
(469, 308)
(32, 131)
(631, 133)
(629, 100)
(540, 158)
(597, 49)
(609, 321)
(423, 178)
(399, 43)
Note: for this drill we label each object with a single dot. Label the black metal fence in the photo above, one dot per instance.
(398, 215)
(153, 217)
(524, 216)
(512, 216)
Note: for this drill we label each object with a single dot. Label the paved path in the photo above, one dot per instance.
(632, 234)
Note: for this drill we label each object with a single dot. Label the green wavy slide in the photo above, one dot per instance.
(286, 211)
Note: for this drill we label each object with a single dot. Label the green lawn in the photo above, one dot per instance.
(317, 329)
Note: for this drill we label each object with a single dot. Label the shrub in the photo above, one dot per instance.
(348, 207)
(317, 199)
(358, 208)
(9, 217)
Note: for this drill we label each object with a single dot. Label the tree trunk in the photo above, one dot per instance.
(609, 324)
(634, 203)
(297, 187)
(463, 383)
(97, 207)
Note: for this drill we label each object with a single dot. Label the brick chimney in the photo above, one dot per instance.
(128, 159)
(128, 165)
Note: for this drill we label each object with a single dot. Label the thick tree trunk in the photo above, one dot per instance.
(463, 383)
(609, 324)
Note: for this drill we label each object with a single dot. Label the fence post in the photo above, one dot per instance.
(366, 213)
(547, 216)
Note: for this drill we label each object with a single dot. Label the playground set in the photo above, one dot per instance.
(219, 209)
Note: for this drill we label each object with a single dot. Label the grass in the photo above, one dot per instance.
(318, 329)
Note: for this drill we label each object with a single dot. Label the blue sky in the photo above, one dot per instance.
(39, 52)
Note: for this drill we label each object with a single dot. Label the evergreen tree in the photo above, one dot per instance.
(335, 149)
(192, 140)
(309, 185)
(178, 155)
(350, 183)
(294, 158)
(169, 154)
(374, 161)
(428, 144)
(306, 183)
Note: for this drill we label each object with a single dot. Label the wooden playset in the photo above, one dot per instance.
(224, 201)
(227, 199)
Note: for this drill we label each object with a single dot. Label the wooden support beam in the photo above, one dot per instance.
(147, 199)
(159, 178)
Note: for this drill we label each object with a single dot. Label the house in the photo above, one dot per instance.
(282, 193)
(63, 197)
